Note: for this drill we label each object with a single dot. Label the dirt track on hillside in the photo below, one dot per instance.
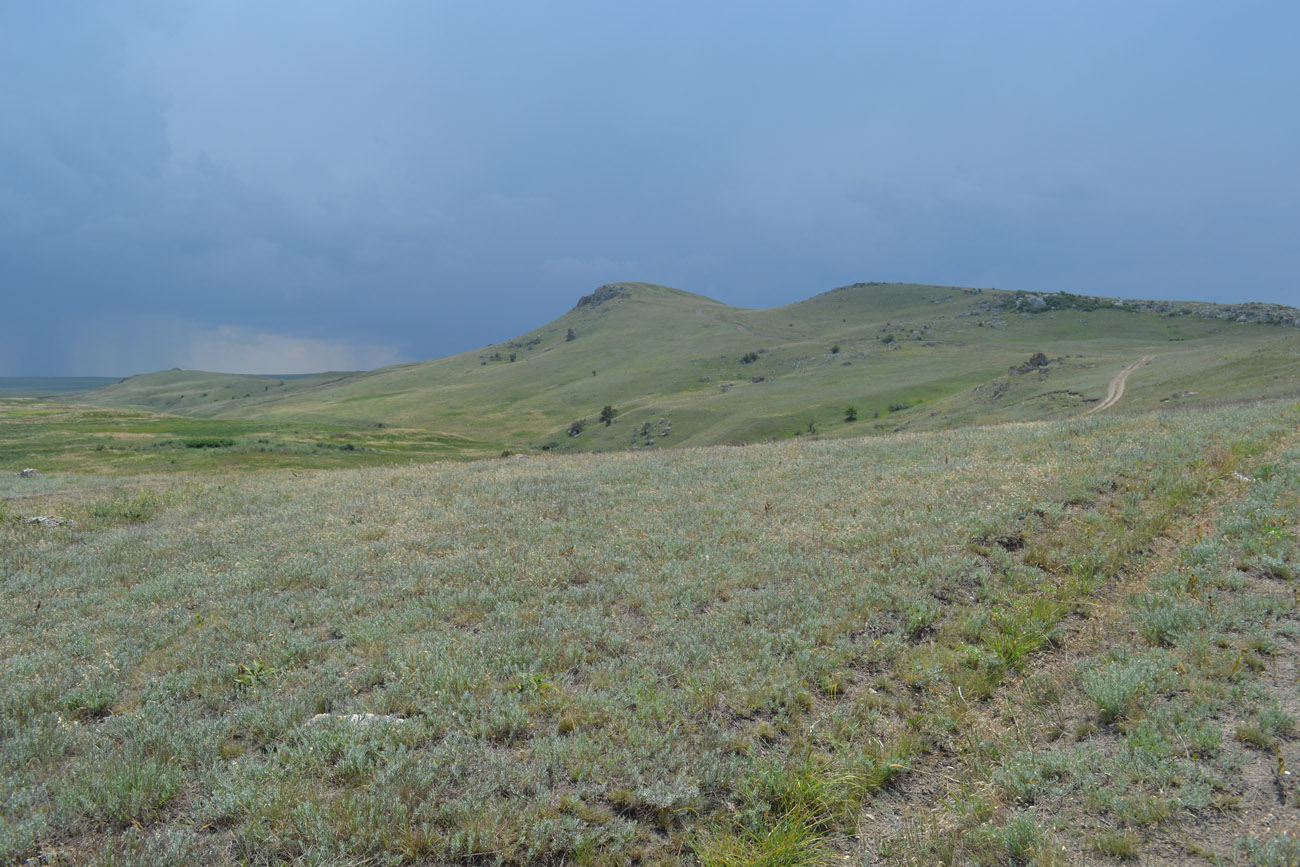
(1117, 383)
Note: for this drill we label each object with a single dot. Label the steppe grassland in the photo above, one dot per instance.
(720, 654)
(62, 438)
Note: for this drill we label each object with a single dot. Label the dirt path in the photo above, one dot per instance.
(736, 325)
(1117, 383)
(920, 808)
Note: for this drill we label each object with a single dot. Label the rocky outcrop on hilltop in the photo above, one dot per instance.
(608, 292)
(1254, 311)
(1251, 312)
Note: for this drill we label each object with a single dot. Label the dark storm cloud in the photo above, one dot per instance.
(243, 185)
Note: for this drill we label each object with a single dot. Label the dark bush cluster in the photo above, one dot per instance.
(208, 443)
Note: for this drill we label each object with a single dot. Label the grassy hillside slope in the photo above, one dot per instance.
(1052, 643)
(684, 369)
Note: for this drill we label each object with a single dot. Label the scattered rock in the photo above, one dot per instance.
(1252, 312)
(1037, 361)
(29, 473)
(995, 389)
(48, 520)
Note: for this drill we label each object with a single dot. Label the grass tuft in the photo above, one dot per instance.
(793, 840)
(1124, 845)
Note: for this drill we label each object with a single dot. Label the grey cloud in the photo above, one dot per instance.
(438, 176)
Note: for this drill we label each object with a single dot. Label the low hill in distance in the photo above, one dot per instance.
(44, 386)
(683, 369)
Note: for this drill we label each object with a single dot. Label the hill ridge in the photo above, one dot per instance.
(900, 356)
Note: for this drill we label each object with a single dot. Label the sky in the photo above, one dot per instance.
(314, 185)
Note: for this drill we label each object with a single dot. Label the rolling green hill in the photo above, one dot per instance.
(684, 369)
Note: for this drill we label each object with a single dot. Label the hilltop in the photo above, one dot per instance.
(680, 368)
